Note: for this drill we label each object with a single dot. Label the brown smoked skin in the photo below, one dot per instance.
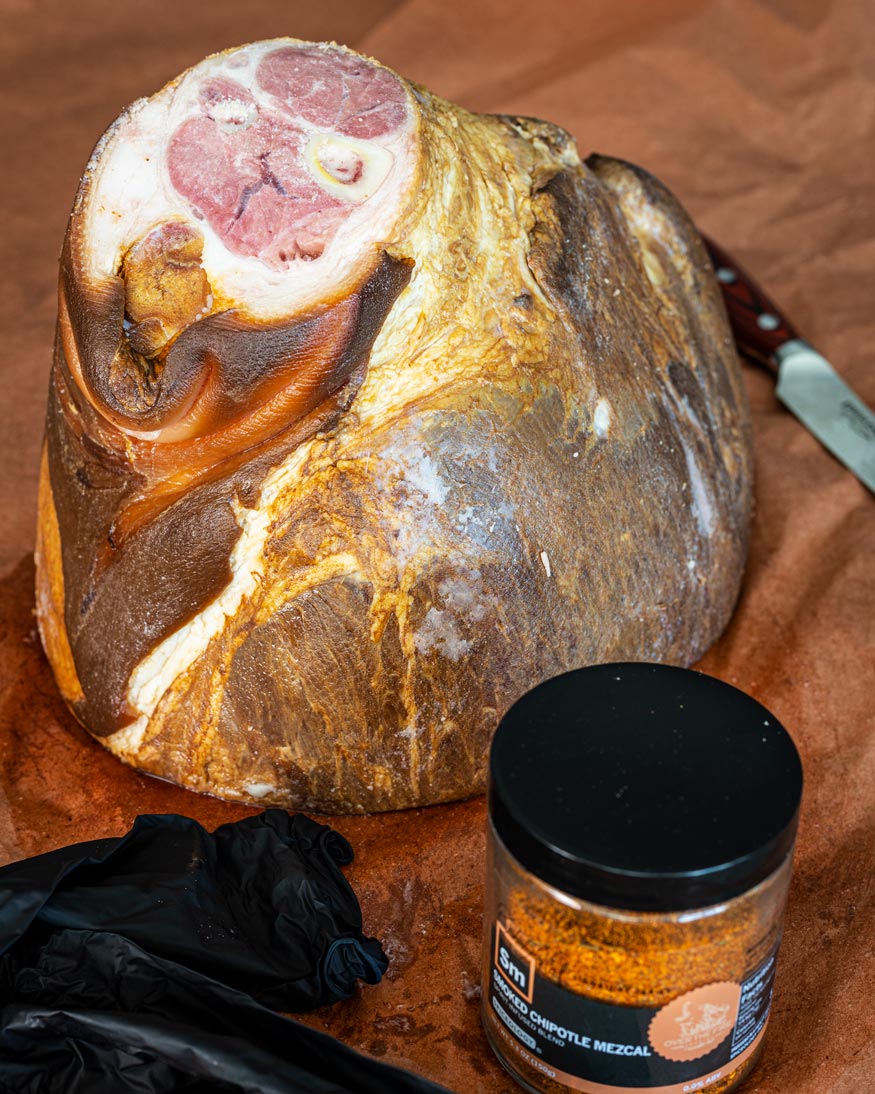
(577, 490)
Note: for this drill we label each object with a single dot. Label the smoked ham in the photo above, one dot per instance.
(368, 414)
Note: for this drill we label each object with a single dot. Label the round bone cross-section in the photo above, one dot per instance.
(277, 169)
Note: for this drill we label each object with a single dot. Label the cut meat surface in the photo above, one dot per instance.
(335, 92)
(292, 161)
(252, 186)
(276, 176)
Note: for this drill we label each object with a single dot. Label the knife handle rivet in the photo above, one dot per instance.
(767, 321)
(727, 276)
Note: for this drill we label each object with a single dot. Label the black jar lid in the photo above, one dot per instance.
(644, 786)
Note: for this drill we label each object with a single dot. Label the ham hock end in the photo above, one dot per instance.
(368, 414)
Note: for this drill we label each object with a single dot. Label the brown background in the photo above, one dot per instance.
(761, 117)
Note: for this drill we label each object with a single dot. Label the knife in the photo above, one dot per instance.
(808, 385)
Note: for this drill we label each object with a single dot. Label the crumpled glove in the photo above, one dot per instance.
(148, 963)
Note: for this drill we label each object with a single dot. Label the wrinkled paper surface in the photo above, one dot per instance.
(761, 117)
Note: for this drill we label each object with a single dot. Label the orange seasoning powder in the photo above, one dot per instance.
(642, 821)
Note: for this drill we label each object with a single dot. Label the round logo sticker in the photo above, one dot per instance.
(694, 1024)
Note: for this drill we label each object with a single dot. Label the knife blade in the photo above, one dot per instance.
(808, 385)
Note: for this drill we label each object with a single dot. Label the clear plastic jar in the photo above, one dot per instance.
(641, 831)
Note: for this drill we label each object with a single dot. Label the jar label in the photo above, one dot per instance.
(585, 1044)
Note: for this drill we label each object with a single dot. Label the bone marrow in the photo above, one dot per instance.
(367, 414)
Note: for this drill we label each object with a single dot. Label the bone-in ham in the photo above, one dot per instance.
(367, 414)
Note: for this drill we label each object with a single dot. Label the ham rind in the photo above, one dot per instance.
(368, 414)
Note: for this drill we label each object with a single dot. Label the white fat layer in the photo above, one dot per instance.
(130, 193)
(127, 741)
(233, 115)
(258, 790)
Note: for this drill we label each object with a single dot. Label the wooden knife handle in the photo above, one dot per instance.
(760, 328)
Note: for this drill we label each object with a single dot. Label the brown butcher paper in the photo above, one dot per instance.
(760, 116)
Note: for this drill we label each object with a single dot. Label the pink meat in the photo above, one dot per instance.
(334, 91)
(239, 164)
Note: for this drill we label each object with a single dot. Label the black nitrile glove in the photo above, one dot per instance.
(146, 964)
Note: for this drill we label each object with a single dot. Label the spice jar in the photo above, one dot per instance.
(641, 828)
